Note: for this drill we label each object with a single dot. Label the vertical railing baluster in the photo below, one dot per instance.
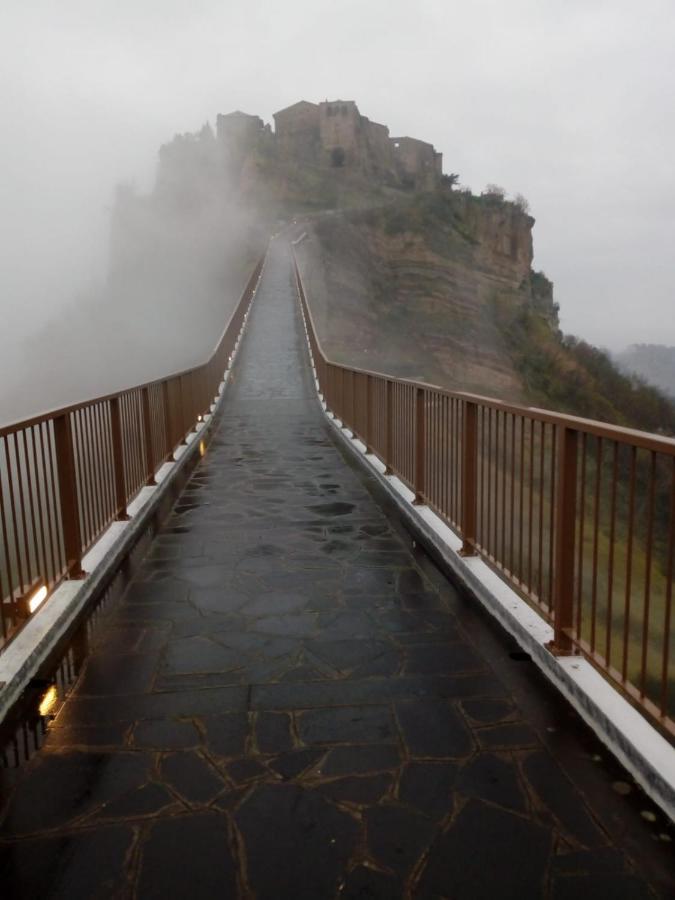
(469, 479)
(70, 515)
(183, 410)
(147, 434)
(389, 425)
(565, 529)
(118, 460)
(353, 428)
(420, 446)
(167, 420)
(341, 409)
(369, 416)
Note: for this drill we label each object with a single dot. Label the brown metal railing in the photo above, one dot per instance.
(66, 475)
(575, 515)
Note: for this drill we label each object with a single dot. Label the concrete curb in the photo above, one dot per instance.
(30, 649)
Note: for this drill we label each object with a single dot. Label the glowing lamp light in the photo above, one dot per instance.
(29, 602)
(199, 417)
(37, 598)
(202, 448)
(48, 701)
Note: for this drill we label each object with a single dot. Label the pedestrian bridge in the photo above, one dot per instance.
(274, 690)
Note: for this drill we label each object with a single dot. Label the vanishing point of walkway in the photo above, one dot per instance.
(291, 702)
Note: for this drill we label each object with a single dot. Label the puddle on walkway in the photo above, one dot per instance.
(332, 509)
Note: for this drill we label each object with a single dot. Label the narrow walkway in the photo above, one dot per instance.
(289, 703)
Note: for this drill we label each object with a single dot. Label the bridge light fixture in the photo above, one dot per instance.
(48, 701)
(37, 598)
(26, 604)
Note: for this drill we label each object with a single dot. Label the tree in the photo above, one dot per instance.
(494, 191)
(522, 203)
(451, 180)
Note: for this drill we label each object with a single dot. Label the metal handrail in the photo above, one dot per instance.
(576, 515)
(67, 474)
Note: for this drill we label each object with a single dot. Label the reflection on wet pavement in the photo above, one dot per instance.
(290, 702)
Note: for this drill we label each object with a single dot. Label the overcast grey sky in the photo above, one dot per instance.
(569, 102)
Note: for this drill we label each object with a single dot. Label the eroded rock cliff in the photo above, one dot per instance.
(415, 288)
(440, 287)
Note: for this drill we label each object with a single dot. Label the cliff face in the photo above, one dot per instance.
(439, 287)
(413, 289)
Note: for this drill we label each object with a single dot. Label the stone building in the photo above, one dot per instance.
(352, 140)
(239, 135)
(335, 133)
(239, 127)
(296, 130)
(417, 162)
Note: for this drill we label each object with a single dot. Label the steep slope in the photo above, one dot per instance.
(440, 287)
(408, 288)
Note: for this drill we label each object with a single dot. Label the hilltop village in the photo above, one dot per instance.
(408, 274)
(328, 135)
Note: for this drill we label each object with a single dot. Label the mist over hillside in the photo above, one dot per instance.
(407, 273)
(654, 363)
(179, 257)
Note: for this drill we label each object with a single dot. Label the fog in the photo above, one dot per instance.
(567, 103)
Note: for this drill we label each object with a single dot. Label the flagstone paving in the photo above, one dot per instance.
(290, 701)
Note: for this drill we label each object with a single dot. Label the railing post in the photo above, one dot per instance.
(328, 391)
(183, 411)
(70, 515)
(565, 525)
(352, 376)
(369, 415)
(191, 409)
(147, 434)
(167, 420)
(118, 460)
(469, 484)
(341, 408)
(420, 448)
(389, 425)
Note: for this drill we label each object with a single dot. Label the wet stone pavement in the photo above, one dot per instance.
(290, 702)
